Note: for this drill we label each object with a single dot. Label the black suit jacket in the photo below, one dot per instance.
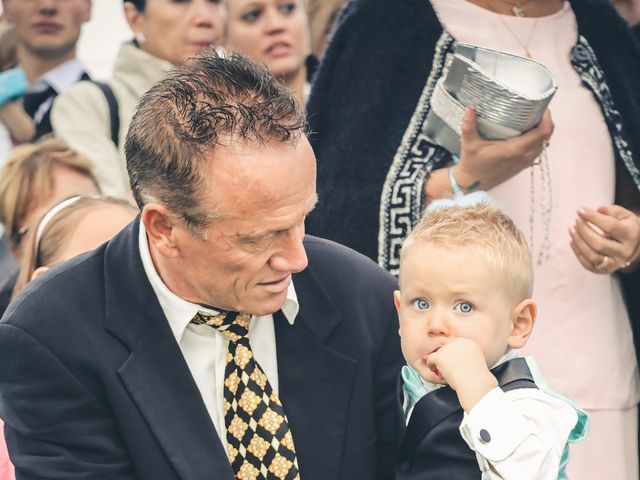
(93, 384)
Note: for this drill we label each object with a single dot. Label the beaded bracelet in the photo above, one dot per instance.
(457, 191)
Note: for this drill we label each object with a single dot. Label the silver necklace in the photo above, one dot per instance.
(546, 205)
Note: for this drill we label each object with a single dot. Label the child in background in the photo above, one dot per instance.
(71, 227)
(473, 409)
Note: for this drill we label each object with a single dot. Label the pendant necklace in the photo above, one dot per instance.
(524, 45)
(516, 7)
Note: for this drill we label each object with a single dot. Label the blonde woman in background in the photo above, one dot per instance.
(33, 178)
(276, 33)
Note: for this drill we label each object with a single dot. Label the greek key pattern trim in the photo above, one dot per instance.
(402, 198)
(585, 62)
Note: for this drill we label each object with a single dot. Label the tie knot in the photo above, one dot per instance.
(233, 325)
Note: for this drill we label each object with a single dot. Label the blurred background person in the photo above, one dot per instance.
(71, 227)
(33, 178)
(323, 15)
(377, 171)
(46, 34)
(15, 125)
(166, 33)
(276, 33)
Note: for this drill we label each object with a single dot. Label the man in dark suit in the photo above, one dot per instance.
(131, 361)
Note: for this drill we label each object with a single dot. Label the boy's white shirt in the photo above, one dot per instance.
(528, 428)
(528, 432)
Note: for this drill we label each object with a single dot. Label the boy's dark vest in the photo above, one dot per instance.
(431, 446)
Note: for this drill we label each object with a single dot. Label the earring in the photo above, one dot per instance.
(139, 37)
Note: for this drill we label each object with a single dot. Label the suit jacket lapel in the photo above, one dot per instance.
(155, 374)
(315, 380)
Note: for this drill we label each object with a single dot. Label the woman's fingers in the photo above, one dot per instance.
(591, 249)
(605, 240)
(616, 223)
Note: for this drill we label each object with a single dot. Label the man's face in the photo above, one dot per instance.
(47, 28)
(264, 193)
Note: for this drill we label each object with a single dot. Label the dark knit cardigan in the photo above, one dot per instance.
(371, 95)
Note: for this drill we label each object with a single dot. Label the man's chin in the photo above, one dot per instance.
(271, 304)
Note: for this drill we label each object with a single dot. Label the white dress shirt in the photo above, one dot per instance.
(204, 348)
(528, 431)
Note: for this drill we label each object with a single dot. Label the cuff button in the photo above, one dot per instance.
(485, 436)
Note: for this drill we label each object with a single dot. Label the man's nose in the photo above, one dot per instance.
(291, 256)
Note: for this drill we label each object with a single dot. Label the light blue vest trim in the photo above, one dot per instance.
(580, 430)
(415, 388)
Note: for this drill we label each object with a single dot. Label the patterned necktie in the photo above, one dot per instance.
(259, 442)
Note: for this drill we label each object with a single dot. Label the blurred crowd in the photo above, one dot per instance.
(64, 187)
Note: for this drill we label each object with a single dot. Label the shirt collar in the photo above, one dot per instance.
(61, 77)
(179, 311)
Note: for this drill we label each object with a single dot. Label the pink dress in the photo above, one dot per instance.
(582, 338)
(6, 468)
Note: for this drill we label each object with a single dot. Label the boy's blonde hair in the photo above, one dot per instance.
(487, 231)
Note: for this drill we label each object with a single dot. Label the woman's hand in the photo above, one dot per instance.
(486, 163)
(607, 239)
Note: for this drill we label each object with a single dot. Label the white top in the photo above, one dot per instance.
(59, 78)
(582, 338)
(205, 348)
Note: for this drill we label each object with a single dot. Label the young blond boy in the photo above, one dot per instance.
(473, 409)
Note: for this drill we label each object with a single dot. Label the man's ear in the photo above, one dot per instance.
(161, 229)
(37, 272)
(523, 317)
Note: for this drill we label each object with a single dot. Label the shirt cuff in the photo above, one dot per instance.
(493, 428)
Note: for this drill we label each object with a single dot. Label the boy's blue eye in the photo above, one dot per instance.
(464, 307)
(421, 304)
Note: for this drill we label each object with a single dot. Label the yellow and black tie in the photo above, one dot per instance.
(259, 442)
